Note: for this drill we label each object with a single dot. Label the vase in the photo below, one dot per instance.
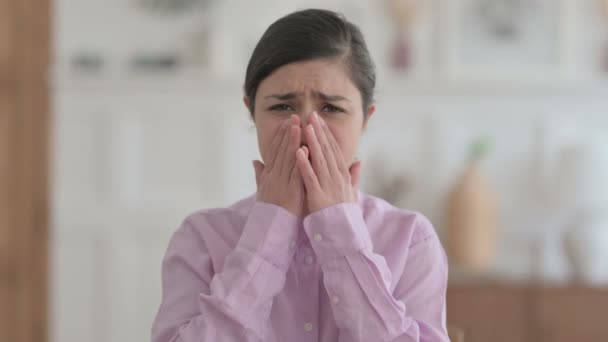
(402, 52)
(586, 245)
(472, 222)
(582, 184)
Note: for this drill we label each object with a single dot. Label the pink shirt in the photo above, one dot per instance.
(352, 272)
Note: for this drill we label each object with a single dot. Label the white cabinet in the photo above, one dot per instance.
(130, 160)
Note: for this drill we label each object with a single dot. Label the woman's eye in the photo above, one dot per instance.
(281, 106)
(332, 109)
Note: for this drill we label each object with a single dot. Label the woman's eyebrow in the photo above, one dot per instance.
(323, 96)
(331, 98)
(283, 97)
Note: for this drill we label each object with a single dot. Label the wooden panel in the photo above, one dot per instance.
(579, 315)
(7, 28)
(24, 123)
(489, 313)
(6, 266)
(34, 21)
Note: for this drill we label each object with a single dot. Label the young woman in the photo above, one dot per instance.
(308, 257)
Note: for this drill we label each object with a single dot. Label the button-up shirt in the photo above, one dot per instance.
(356, 272)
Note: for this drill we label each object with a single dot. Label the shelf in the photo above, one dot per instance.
(392, 86)
(184, 80)
(388, 86)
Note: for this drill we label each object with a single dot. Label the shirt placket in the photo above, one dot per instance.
(309, 273)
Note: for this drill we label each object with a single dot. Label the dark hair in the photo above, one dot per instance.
(308, 35)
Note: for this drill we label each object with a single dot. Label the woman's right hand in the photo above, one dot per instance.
(279, 182)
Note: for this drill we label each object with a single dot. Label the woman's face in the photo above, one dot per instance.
(300, 88)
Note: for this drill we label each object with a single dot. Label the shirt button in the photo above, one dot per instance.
(308, 326)
(335, 299)
(308, 259)
(318, 237)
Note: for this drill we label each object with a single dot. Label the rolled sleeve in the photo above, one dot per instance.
(337, 231)
(268, 232)
(367, 309)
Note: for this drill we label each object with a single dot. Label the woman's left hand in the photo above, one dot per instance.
(327, 178)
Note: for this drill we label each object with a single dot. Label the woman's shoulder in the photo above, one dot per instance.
(224, 223)
(239, 208)
(391, 222)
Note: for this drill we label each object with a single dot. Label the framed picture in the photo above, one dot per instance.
(504, 40)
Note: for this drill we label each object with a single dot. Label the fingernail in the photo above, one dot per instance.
(315, 116)
(301, 151)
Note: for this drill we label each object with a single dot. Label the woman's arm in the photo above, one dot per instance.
(358, 281)
(234, 303)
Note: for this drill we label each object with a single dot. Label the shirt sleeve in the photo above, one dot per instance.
(233, 304)
(359, 281)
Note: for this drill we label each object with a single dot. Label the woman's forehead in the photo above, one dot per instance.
(319, 77)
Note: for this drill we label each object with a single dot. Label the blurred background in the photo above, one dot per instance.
(492, 120)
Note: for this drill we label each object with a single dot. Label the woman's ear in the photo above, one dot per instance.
(249, 107)
(247, 104)
(370, 112)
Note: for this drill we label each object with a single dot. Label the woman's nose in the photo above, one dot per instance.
(304, 121)
(305, 118)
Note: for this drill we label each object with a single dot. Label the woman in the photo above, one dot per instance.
(308, 257)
